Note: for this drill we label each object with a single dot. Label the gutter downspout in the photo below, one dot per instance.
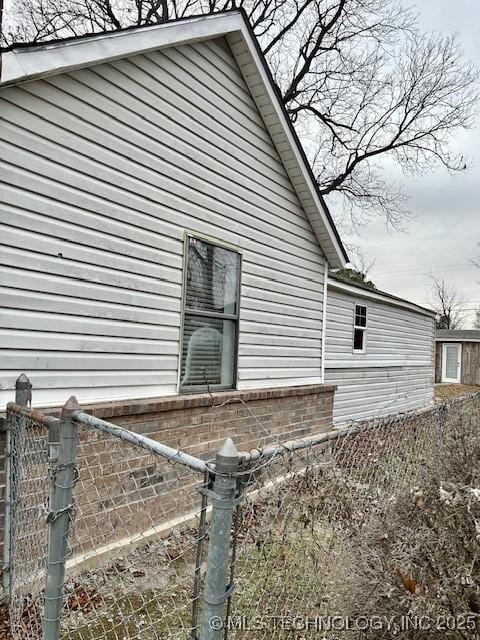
(324, 322)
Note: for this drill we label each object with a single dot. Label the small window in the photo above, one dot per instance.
(360, 328)
(210, 326)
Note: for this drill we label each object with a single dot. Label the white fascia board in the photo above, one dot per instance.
(457, 340)
(376, 295)
(337, 259)
(28, 63)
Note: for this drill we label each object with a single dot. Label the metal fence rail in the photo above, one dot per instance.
(115, 536)
(106, 531)
(136, 439)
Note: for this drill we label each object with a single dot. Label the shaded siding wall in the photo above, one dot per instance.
(397, 371)
(470, 373)
(102, 170)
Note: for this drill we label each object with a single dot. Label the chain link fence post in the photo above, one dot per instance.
(23, 391)
(62, 479)
(53, 451)
(224, 499)
(23, 397)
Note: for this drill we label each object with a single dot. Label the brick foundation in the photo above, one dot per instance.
(136, 492)
(198, 424)
(123, 490)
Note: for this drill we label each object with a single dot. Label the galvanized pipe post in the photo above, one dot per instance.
(23, 391)
(62, 481)
(53, 451)
(224, 500)
(23, 397)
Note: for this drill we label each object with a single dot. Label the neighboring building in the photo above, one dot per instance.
(457, 356)
(162, 233)
(379, 352)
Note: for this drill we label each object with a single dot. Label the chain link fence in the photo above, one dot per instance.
(370, 532)
(128, 551)
(25, 519)
(133, 543)
(376, 520)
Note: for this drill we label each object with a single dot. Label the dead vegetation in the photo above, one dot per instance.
(419, 558)
(5, 633)
(387, 531)
(452, 391)
(382, 525)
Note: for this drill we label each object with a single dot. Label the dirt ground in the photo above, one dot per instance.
(451, 391)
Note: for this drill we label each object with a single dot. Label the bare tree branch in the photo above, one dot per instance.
(448, 304)
(476, 262)
(476, 322)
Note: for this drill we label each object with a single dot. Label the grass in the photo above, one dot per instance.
(280, 584)
(159, 607)
(278, 579)
(452, 391)
(150, 616)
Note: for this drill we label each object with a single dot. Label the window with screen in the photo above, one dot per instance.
(210, 326)
(360, 328)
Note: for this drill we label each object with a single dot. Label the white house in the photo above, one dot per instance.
(161, 230)
(379, 352)
(162, 234)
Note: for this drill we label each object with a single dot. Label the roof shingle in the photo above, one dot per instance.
(468, 335)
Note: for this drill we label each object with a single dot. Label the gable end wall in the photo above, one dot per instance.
(103, 170)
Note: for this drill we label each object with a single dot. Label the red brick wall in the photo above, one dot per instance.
(124, 490)
(198, 424)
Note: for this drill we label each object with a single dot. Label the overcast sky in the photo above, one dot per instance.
(445, 232)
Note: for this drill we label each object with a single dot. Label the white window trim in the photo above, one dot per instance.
(187, 234)
(444, 362)
(364, 329)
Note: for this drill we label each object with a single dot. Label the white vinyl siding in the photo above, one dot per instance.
(396, 336)
(395, 373)
(379, 391)
(102, 170)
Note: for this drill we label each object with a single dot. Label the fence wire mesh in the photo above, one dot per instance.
(133, 553)
(26, 520)
(352, 534)
(133, 543)
(374, 522)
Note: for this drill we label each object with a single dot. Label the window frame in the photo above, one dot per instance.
(358, 327)
(190, 389)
